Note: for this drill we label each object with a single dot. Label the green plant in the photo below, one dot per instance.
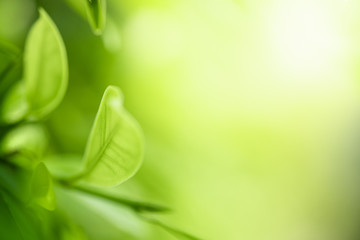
(33, 84)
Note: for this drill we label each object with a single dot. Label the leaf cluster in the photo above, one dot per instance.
(33, 83)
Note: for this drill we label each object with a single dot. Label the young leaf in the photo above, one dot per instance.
(45, 67)
(42, 187)
(114, 149)
(96, 10)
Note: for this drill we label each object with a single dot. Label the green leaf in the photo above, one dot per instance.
(8, 227)
(114, 149)
(10, 70)
(64, 166)
(96, 10)
(45, 67)
(14, 107)
(9, 55)
(14, 181)
(8, 50)
(16, 222)
(28, 143)
(42, 187)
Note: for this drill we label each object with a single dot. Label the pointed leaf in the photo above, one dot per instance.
(96, 10)
(42, 187)
(45, 67)
(114, 149)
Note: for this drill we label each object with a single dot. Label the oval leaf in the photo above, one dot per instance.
(114, 149)
(42, 187)
(45, 67)
(96, 10)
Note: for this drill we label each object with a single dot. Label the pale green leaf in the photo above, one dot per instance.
(96, 10)
(45, 67)
(41, 189)
(114, 149)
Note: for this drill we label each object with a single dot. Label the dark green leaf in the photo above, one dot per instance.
(16, 222)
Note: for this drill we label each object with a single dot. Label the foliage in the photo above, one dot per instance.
(33, 83)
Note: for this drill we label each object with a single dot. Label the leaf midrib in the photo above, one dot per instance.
(102, 150)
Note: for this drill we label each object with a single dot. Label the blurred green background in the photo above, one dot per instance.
(250, 111)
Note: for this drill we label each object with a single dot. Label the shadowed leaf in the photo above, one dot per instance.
(42, 187)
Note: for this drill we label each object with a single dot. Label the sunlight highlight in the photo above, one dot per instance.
(304, 36)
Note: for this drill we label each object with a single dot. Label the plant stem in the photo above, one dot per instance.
(176, 232)
(134, 205)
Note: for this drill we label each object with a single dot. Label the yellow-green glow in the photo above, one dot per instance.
(264, 95)
(305, 36)
(250, 113)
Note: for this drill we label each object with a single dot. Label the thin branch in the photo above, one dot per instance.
(134, 205)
